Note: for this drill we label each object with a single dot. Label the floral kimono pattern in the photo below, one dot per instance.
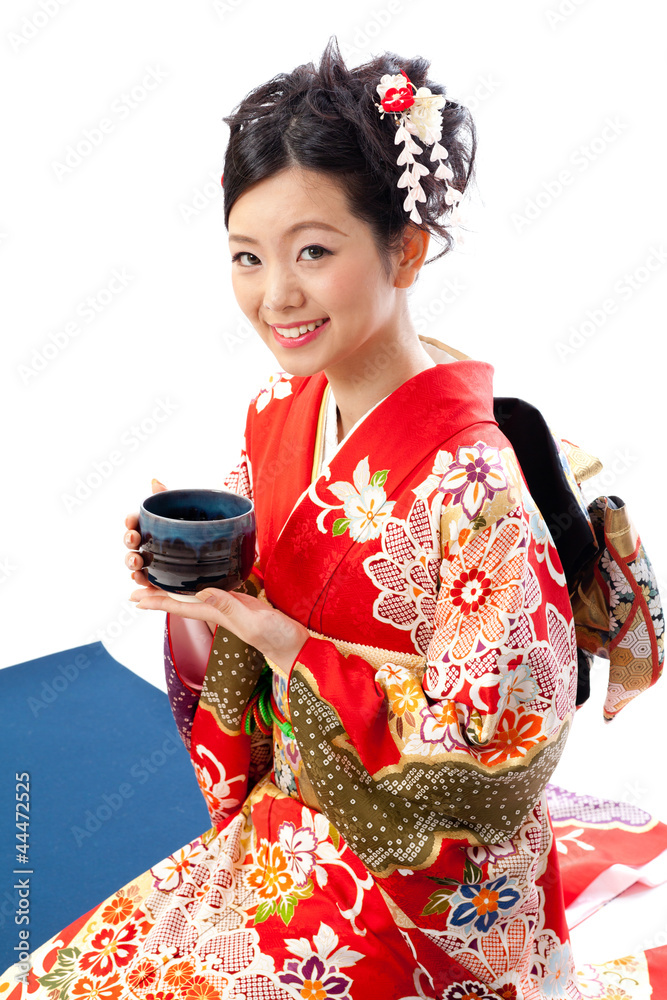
(392, 837)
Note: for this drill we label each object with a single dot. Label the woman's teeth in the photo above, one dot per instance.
(297, 331)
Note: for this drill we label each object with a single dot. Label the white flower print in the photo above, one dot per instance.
(299, 848)
(364, 503)
(558, 966)
(169, 873)
(278, 387)
(475, 475)
(516, 681)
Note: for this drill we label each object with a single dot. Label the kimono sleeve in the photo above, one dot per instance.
(401, 759)
(210, 679)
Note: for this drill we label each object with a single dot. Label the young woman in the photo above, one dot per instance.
(374, 720)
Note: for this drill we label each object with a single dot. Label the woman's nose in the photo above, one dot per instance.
(281, 289)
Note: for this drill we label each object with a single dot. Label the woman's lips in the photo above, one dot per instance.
(304, 338)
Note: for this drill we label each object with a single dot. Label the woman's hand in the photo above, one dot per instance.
(274, 634)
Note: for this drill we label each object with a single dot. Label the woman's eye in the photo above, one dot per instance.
(243, 253)
(315, 246)
(320, 253)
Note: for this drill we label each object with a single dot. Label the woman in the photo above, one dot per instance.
(388, 833)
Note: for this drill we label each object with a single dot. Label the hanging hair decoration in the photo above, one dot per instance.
(420, 114)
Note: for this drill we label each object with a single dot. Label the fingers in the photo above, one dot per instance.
(158, 487)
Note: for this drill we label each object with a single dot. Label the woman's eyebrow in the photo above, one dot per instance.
(238, 238)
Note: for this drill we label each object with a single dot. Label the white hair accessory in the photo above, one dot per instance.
(420, 114)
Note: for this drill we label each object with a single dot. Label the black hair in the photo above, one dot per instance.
(325, 118)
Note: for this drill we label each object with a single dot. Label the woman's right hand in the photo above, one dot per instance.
(133, 560)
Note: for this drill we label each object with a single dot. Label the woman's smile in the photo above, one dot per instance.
(299, 334)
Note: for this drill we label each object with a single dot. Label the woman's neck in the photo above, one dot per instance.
(355, 393)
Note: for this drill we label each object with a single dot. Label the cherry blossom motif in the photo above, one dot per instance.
(481, 592)
(516, 683)
(441, 725)
(315, 973)
(214, 783)
(475, 474)
(110, 950)
(299, 848)
(517, 733)
(86, 989)
(480, 905)
(558, 968)
(278, 387)
(589, 983)
(364, 503)
(270, 875)
(406, 572)
(169, 873)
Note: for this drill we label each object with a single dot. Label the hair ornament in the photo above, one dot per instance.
(418, 112)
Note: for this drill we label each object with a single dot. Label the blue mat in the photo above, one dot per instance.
(111, 787)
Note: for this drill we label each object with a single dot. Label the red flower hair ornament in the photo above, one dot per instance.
(418, 112)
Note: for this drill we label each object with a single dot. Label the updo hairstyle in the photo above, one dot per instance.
(324, 118)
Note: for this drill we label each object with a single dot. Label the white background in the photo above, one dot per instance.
(544, 80)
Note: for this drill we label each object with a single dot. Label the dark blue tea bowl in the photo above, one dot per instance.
(193, 539)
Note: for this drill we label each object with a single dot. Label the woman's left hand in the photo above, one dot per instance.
(273, 633)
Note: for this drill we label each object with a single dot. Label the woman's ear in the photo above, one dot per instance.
(415, 248)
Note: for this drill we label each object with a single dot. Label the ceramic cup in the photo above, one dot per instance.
(193, 539)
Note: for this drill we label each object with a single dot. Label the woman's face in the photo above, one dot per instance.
(299, 257)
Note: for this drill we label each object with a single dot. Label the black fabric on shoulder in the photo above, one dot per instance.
(536, 451)
(537, 454)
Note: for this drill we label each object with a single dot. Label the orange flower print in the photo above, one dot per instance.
(160, 995)
(481, 592)
(200, 989)
(179, 975)
(517, 733)
(119, 909)
(405, 697)
(271, 876)
(143, 975)
(86, 989)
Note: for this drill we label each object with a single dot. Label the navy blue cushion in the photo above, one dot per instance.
(112, 789)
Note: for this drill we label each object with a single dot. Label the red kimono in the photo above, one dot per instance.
(392, 837)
